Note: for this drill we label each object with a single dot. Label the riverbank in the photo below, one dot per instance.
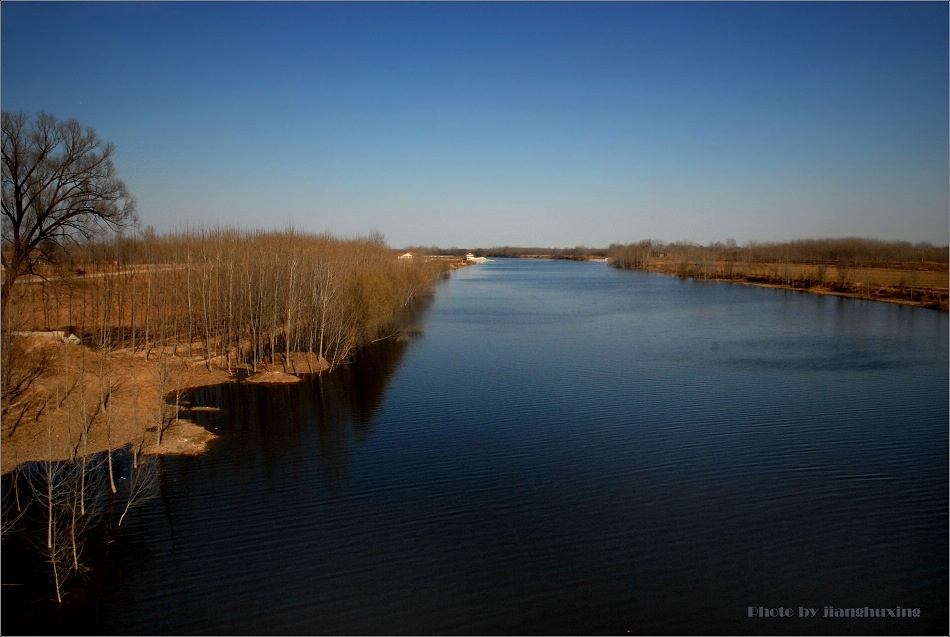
(915, 284)
(122, 397)
(79, 401)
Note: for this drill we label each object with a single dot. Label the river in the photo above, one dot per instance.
(560, 448)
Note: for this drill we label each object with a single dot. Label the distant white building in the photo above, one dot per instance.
(407, 255)
(471, 257)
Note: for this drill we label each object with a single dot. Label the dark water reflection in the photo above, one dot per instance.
(566, 448)
(328, 414)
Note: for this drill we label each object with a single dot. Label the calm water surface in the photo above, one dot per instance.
(564, 448)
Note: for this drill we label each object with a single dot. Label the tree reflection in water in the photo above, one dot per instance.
(334, 409)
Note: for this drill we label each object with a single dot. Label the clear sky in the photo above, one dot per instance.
(482, 124)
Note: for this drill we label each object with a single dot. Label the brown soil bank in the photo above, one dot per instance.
(73, 400)
(921, 284)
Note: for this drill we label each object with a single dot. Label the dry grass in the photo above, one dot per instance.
(907, 275)
(75, 382)
(920, 284)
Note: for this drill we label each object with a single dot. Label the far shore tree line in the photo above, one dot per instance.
(887, 270)
(847, 252)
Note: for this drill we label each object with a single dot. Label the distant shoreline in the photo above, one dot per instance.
(934, 298)
(872, 288)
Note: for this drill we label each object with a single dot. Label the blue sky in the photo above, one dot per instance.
(481, 124)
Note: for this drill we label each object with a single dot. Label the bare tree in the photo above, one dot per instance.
(59, 186)
(13, 507)
(142, 484)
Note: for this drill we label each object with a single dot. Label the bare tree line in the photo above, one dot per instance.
(233, 297)
(851, 251)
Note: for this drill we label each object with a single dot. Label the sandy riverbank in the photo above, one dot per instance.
(122, 396)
